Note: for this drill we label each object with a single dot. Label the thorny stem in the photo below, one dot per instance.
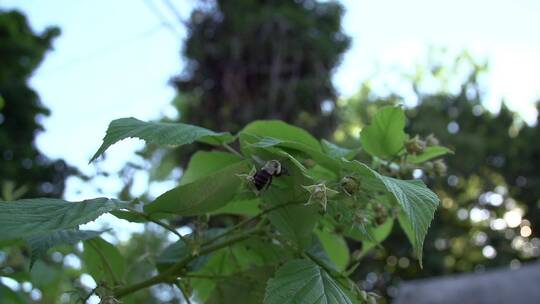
(93, 291)
(177, 268)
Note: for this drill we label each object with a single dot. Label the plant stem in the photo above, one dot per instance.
(177, 268)
(160, 223)
(232, 150)
(93, 291)
(184, 293)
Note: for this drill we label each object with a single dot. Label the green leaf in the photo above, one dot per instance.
(303, 282)
(384, 137)
(338, 152)
(295, 221)
(203, 195)
(378, 235)
(319, 157)
(280, 130)
(40, 243)
(240, 207)
(239, 258)
(419, 204)
(415, 199)
(159, 133)
(429, 153)
(244, 287)
(335, 247)
(203, 163)
(103, 261)
(24, 218)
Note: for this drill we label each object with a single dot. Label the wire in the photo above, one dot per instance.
(157, 12)
(106, 50)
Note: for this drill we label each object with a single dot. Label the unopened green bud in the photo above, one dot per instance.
(428, 166)
(415, 145)
(309, 163)
(350, 185)
(431, 140)
(440, 167)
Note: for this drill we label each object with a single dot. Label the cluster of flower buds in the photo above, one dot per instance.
(366, 297)
(417, 145)
(435, 168)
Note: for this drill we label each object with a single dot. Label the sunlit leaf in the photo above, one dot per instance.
(203, 163)
(282, 131)
(158, 133)
(335, 247)
(384, 137)
(338, 152)
(429, 153)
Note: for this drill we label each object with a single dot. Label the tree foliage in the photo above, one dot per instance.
(274, 62)
(24, 169)
(490, 191)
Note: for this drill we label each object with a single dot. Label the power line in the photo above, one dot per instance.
(108, 49)
(157, 12)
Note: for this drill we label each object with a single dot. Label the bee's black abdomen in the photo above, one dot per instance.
(261, 178)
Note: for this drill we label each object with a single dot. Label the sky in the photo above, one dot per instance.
(114, 59)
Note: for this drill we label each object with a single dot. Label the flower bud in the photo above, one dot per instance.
(440, 167)
(350, 185)
(309, 163)
(415, 145)
(431, 140)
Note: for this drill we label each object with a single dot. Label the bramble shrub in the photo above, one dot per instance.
(297, 204)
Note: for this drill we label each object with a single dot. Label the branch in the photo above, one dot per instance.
(93, 291)
(177, 268)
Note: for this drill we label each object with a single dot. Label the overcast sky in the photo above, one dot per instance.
(114, 59)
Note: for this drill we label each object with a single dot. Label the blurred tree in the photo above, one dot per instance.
(490, 198)
(23, 169)
(274, 62)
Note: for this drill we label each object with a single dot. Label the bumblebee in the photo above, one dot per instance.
(262, 179)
